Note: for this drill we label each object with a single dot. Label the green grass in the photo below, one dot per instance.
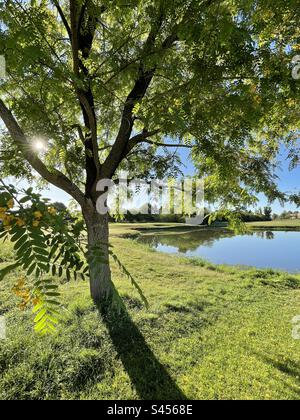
(277, 224)
(210, 333)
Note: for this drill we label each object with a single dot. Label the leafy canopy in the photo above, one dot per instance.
(105, 82)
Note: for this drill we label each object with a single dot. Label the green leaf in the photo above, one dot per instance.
(5, 271)
(31, 269)
(40, 315)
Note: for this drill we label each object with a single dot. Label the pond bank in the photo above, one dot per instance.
(261, 247)
(276, 225)
(211, 332)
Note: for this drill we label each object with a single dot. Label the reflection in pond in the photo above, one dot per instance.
(263, 249)
(265, 234)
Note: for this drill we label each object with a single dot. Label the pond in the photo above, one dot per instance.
(262, 249)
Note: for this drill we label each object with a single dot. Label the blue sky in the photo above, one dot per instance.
(289, 181)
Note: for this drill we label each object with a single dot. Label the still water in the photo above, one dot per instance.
(263, 249)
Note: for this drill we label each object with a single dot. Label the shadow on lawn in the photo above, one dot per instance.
(286, 366)
(147, 374)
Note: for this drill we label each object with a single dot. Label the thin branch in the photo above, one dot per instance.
(74, 36)
(80, 132)
(139, 138)
(105, 147)
(144, 137)
(63, 18)
(41, 33)
(13, 195)
(188, 146)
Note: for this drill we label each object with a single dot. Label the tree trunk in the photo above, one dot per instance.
(100, 274)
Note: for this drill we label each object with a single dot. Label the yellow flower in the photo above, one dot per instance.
(20, 284)
(36, 301)
(38, 215)
(52, 211)
(36, 223)
(7, 220)
(10, 203)
(2, 212)
(20, 222)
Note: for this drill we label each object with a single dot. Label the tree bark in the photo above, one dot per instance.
(100, 274)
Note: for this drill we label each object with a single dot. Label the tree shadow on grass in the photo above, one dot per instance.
(149, 377)
(286, 366)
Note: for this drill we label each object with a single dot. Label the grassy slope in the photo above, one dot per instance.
(210, 333)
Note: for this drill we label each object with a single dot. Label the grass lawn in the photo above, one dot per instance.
(210, 333)
(277, 224)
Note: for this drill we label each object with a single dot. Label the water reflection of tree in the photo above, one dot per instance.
(191, 241)
(269, 235)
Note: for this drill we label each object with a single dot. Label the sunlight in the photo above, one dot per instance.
(39, 144)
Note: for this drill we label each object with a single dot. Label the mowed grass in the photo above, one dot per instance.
(210, 333)
(277, 224)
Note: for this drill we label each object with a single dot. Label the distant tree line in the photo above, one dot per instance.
(286, 215)
(150, 218)
(260, 215)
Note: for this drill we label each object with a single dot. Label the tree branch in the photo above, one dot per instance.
(82, 40)
(117, 152)
(56, 177)
(120, 148)
(63, 18)
(74, 36)
(80, 132)
(145, 138)
(188, 146)
(139, 138)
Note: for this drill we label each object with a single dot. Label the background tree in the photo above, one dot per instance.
(61, 207)
(102, 84)
(268, 213)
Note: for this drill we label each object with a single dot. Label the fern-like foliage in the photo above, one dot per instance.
(49, 244)
(134, 283)
(45, 244)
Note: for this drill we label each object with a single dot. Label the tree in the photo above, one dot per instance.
(103, 83)
(59, 206)
(268, 213)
